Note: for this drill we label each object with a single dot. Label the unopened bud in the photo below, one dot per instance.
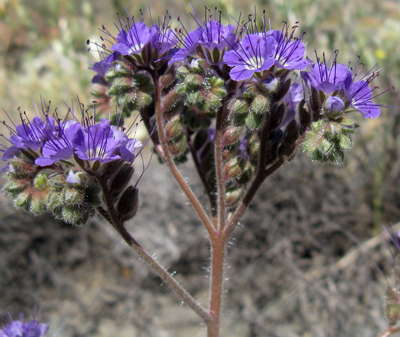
(14, 187)
(254, 121)
(193, 82)
(260, 104)
(121, 85)
(77, 214)
(122, 178)
(333, 106)
(23, 199)
(233, 196)
(174, 128)
(172, 104)
(276, 116)
(348, 125)
(305, 116)
(282, 91)
(291, 133)
(233, 168)
(232, 135)
(178, 146)
(128, 203)
(21, 169)
(270, 84)
(38, 203)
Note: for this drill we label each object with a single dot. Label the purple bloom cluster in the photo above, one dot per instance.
(21, 329)
(53, 140)
(133, 38)
(338, 80)
(260, 51)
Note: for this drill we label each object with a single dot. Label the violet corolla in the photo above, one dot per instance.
(63, 166)
(21, 329)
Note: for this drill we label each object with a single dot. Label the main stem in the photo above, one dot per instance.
(217, 282)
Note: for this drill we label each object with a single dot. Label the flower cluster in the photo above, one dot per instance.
(60, 166)
(22, 329)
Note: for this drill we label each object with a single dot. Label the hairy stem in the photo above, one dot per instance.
(217, 285)
(219, 167)
(170, 161)
(145, 256)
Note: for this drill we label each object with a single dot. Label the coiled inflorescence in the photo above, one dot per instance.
(247, 74)
(65, 166)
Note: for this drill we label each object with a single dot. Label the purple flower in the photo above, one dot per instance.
(133, 41)
(253, 55)
(104, 142)
(21, 329)
(216, 35)
(361, 99)
(289, 52)
(59, 148)
(162, 39)
(327, 79)
(29, 135)
(102, 66)
(189, 46)
(65, 140)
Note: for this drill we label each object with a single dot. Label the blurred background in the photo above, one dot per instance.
(309, 255)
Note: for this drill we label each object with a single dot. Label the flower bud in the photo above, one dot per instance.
(174, 128)
(14, 187)
(72, 196)
(77, 215)
(233, 168)
(121, 85)
(232, 135)
(128, 203)
(172, 104)
(233, 196)
(193, 82)
(246, 175)
(127, 97)
(38, 203)
(21, 169)
(348, 125)
(23, 199)
(260, 104)
(333, 106)
(167, 81)
(178, 146)
(254, 121)
(270, 84)
(305, 116)
(122, 178)
(276, 116)
(291, 133)
(282, 91)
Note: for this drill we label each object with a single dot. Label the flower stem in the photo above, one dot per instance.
(170, 161)
(145, 256)
(219, 167)
(217, 284)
